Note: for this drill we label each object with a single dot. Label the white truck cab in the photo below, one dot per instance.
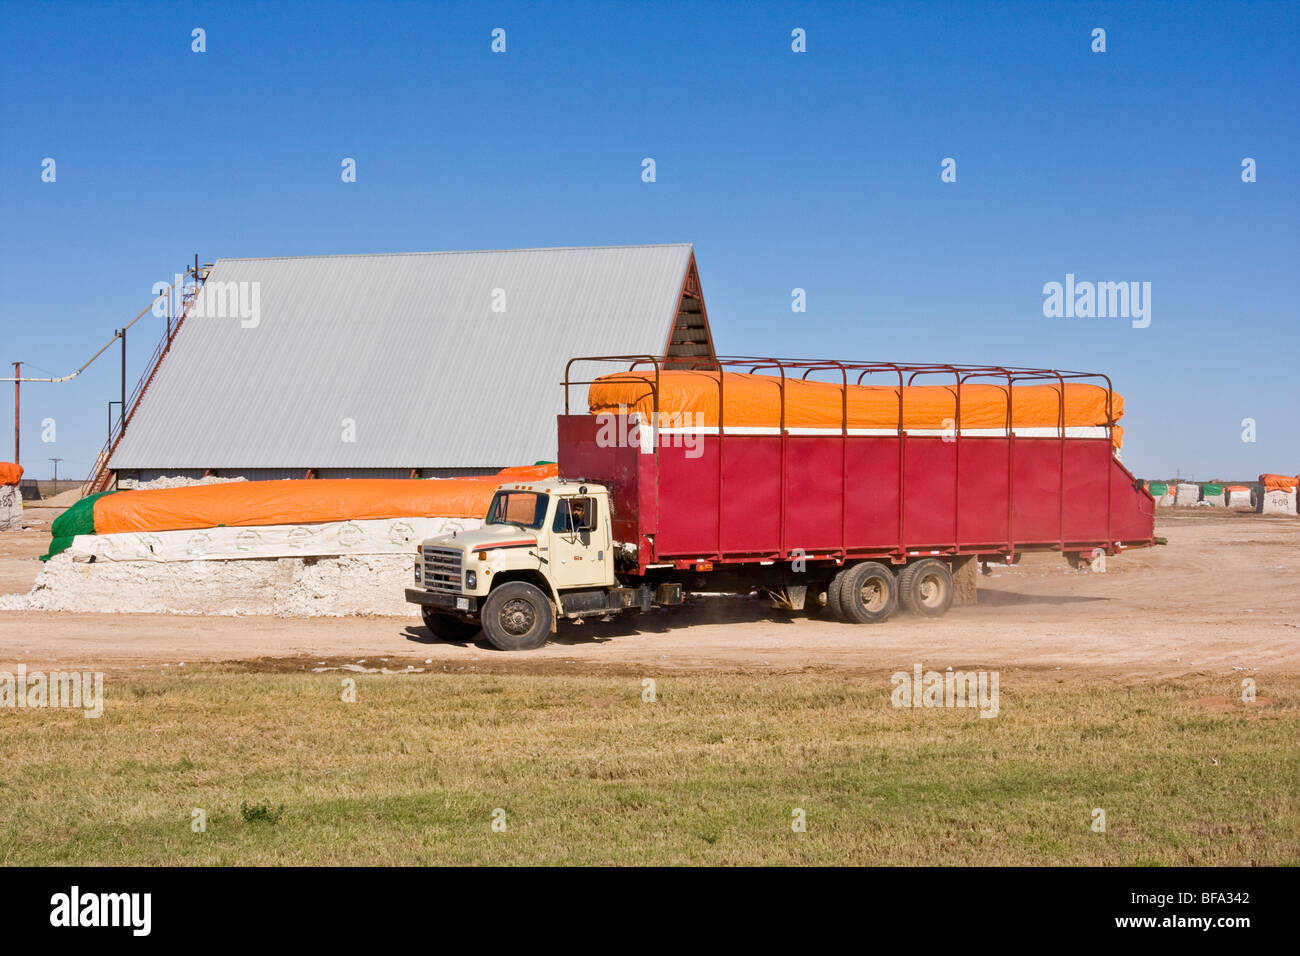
(545, 549)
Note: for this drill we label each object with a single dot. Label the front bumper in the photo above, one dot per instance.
(459, 603)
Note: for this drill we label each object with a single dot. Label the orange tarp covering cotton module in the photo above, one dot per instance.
(690, 398)
(10, 474)
(1279, 482)
(252, 503)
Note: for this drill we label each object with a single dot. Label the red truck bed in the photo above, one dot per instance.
(718, 495)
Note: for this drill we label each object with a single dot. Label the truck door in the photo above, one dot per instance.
(580, 543)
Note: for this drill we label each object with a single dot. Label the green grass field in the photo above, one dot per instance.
(710, 773)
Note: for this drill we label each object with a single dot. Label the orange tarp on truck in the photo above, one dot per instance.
(690, 399)
(10, 474)
(251, 503)
(528, 472)
(1279, 482)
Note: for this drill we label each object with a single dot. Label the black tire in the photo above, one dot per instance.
(868, 593)
(925, 587)
(833, 595)
(517, 617)
(448, 628)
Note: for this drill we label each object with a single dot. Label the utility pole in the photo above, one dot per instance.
(56, 469)
(122, 333)
(18, 374)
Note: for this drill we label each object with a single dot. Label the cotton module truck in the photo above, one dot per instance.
(840, 488)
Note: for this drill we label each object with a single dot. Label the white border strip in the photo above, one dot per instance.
(1071, 431)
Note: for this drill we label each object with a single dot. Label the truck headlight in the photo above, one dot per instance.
(471, 580)
(417, 572)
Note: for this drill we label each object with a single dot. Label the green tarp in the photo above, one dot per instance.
(1157, 488)
(1210, 488)
(79, 519)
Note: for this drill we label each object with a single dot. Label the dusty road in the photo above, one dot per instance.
(1223, 597)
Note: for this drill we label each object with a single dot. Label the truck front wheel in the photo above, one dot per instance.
(517, 617)
(448, 628)
(867, 593)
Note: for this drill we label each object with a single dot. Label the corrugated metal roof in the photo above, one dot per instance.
(406, 346)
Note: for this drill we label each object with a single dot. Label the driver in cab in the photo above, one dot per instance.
(572, 518)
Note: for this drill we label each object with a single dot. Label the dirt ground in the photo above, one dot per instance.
(1223, 597)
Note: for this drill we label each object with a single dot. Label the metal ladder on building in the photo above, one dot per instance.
(101, 477)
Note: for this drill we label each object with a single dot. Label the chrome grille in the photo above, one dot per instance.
(442, 570)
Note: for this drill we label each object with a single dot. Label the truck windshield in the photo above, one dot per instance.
(525, 508)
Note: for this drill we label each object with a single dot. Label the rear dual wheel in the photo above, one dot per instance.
(926, 588)
(864, 593)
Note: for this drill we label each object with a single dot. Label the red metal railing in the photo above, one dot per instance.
(101, 476)
(905, 374)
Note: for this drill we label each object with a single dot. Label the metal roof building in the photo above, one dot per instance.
(375, 365)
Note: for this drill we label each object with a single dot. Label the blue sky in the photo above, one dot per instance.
(817, 170)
